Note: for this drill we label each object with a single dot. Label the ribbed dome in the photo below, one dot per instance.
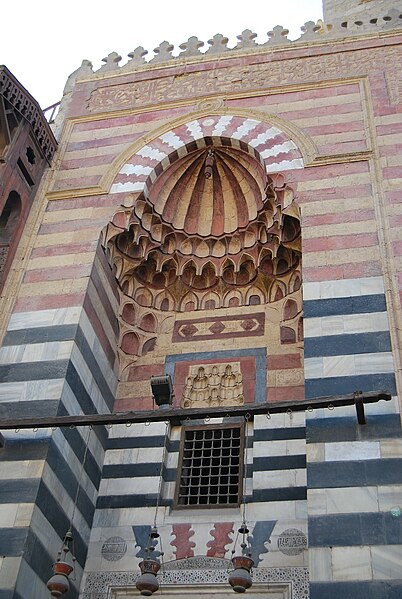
(189, 201)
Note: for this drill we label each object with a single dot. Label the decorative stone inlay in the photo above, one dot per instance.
(233, 327)
(292, 541)
(196, 570)
(212, 385)
(113, 549)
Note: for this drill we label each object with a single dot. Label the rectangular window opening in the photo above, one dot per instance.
(211, 467)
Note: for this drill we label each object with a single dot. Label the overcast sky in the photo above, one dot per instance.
(43, 42)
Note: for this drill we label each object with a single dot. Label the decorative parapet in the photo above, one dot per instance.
(218, 44)
(16, 95)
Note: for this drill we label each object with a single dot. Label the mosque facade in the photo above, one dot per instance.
(227, 219)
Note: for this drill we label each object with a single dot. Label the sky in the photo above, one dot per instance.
(47, 40)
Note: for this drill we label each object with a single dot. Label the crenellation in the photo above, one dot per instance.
(320, 32)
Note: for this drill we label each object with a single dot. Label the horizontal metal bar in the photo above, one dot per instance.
(178, 415)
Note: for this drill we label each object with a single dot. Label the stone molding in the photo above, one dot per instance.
(196, 570)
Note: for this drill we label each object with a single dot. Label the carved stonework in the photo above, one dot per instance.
(212, 385)
(193, 571)
(250, 77)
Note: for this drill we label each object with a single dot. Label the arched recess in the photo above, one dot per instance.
(173, 246)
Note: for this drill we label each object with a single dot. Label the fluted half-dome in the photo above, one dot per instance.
(228, 200)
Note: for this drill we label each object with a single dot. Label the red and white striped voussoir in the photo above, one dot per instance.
(268, 144)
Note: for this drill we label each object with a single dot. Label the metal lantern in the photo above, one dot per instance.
(240, 578)
(148, 583)
(209, 163)
(59, 583)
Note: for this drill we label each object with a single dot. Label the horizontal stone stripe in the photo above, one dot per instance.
(341, 271)
(328, 387)
(64, 332)
(44, 318)
(50, 301)
(126, 501)
(147, 470)
(64, 249)
(361, 589)
(95, 225)
(44, 408)
(280, 462)
(351, 530)
(9, 594)
(33, 371)
(338, 345)
(362, 304)
(346, 288)
(334, 223)
(143, 442)
(379, 426)
(12, 541)
(338, 257)
(354, 473)
(278, 434)
(348, 324)
(25, 490)
(57, 273)
(59, 521)
(137, 470)
(279, 494)
(16, 450)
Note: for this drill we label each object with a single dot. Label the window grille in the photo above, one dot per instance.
(211, 465)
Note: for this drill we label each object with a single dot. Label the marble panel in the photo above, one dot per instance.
(313, 368)
(279, 479)
(9, 571)
(8, 514)
(315, 452)
(138, 430)
(149, 455)
(346, 323)
(351, 563)
(338, 366)
(316, 502)
(320, 564)
(386, 561)
(374, 363)
(352, 450)
(351, 500)
(391, 448)
(143, 485)
(42, 318)
(24, 514)
(389, 496)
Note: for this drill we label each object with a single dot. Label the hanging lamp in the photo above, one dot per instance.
(59, 583)
(240, 577)
(148, 582)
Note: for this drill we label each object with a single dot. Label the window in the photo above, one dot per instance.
(211, 464)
